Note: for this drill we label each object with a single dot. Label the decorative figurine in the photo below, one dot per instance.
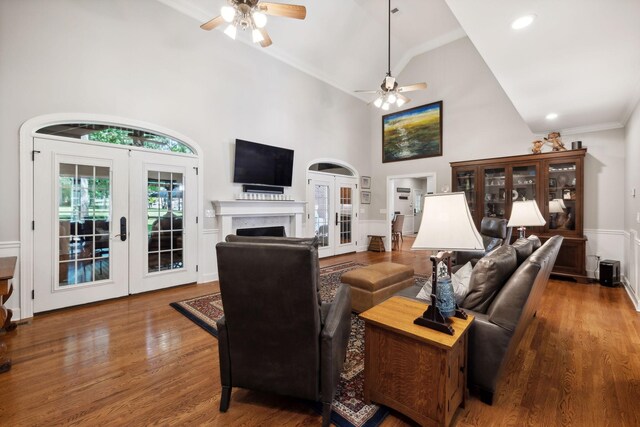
(537, 147)
(556, 143)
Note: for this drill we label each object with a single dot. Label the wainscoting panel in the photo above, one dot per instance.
(608, 244)
(208, 271)
(13, 249)
(378, 227)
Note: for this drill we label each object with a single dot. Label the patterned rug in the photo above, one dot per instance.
(349, 408)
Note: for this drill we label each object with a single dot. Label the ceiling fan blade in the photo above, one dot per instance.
(287, 10)
(210, 25)
(267, 40)
(366, 91)
(404, 98)
(415, 86)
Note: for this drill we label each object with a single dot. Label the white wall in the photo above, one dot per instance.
(631, 268)
(478, 119)
(143, 60)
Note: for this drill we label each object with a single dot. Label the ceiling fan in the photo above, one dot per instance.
(390, 92)
(252, 14)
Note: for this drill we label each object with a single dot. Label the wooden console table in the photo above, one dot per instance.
(415, 370)
(7, 268)
(376, 244)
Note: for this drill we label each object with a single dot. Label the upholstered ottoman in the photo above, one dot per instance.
(375, 283)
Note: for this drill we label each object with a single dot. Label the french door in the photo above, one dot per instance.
(334, 202)
(110, 221)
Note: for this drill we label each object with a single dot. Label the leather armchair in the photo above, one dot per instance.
(276, 335)
(494, 232)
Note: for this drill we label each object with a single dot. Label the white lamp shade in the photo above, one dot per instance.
(525, 214)
(447, 224)
(228, 13)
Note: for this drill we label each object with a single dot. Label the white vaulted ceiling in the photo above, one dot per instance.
(579, 59)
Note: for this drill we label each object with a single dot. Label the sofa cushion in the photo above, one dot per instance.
(488, 277)
(535, 240)
(524, 248)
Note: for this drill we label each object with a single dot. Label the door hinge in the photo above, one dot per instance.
(196, 268)
(33, 294)
(33, 225)
(196, 220)
(33, 154)
(356, 186)
(308, 216)
(308, 182)
(196, 168)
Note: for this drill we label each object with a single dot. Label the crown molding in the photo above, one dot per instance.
(583, 129)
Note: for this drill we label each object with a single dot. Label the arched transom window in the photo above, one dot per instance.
(119, 135)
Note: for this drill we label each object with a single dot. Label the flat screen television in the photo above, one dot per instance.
(262, 164)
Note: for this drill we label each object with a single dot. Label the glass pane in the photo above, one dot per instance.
(562, 196)
(165, 204)
(177, 259)
(524, 183)
(346, 210)
(321, 213)
(466, 181)
(84, 209)
(494, 193)
(117, 135)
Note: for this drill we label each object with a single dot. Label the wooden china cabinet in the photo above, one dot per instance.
(555, 180)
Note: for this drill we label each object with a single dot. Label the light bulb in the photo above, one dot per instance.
(228, 13)
(231, 31)
(400, 102)
(385, 106)
(260, 19)
(391, 98)
(257, 35)
(378, 102)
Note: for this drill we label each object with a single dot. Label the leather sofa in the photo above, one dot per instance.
(502, 306)
(276, 334)
(494, 232)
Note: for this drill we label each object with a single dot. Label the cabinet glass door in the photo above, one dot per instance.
(495, 195)
(465, 181)
(523, 183)
(562, 196)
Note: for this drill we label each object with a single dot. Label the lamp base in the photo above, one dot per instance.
(432, 318)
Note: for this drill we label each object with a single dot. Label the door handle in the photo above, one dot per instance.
(337, 218)
(123, 229)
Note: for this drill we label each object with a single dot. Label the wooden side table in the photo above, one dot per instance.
(412, 369)
(376, 244)
(7, 268)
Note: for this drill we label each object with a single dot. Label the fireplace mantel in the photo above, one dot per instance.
(231, 213)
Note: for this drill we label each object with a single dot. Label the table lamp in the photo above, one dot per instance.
(446, 225)
(523, 214)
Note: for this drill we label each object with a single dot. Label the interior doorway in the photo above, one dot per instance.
(333, 204)
(405, 196)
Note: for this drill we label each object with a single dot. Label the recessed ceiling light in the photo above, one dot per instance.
(551, 116)
(523, 22)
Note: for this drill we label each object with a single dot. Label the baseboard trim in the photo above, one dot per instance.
(632, 296)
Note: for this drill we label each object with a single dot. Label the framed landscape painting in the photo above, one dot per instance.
(412, 134)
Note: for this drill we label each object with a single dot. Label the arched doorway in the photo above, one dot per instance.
(333, 201)
(114, 208)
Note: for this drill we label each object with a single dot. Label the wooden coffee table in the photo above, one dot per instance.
(415, 370)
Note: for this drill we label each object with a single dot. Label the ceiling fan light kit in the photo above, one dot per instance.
(389, 92)
(252, 14)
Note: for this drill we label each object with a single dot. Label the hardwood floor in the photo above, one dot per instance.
(136, 361)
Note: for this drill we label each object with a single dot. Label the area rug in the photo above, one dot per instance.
(349, 409)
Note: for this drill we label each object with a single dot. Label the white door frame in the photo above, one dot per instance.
(391, 194)
(356, 176)
(27, 134)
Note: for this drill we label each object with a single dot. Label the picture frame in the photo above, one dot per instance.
(365, 182)
(365, 197)
(411, 134)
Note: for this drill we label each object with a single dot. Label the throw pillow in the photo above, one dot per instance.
(488, 276)
(460, 281)
(524, 248)
(425, 292)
